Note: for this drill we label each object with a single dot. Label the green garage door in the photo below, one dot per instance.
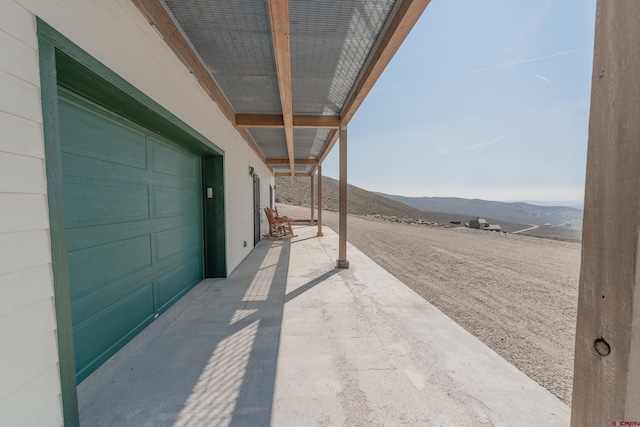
(133, 224)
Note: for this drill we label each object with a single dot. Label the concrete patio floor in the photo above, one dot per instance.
(287, 340)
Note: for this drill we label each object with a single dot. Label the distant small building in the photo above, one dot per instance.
(484, 225)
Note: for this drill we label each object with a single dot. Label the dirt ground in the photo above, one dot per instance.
(517, 294)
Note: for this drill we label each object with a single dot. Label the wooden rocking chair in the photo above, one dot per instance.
(278, 226)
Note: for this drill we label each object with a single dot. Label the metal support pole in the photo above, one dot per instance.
(342, 216)
(319, 201)
(312, 201)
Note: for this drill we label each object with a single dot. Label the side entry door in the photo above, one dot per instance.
(256, 209)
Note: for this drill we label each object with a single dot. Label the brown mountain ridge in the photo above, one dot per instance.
(296, 191)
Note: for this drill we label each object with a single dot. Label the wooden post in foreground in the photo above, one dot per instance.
(342, 209)
(606, 383)
(319, 201)
(312, 200)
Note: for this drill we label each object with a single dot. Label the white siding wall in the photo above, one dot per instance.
(29, 379)
(116, 34)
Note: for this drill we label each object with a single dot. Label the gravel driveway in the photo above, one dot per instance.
(517, 294)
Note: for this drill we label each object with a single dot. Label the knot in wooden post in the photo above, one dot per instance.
(602, 347)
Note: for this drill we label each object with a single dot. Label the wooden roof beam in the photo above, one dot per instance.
(316, 122)
(279, 16)
(276, 121)
(273, 121)
(291, 174)
(286, 161)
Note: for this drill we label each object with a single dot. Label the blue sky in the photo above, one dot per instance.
(483, 100)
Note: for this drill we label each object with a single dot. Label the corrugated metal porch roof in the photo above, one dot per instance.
(287, 73)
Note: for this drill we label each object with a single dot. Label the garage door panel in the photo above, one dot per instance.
(85, 237)
(95, 169)
(104, 202)
(171, 202)
(110, 140)
(96, 339)
(175, 283)
(176, 241)
(90, 168)
(171, 161)
(94, 267)
(133, 215)
(103, 297)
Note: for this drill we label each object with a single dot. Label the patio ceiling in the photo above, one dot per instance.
(288, 74)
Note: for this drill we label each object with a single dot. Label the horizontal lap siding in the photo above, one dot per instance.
(29, 391)
(29, 379)
(105, 30)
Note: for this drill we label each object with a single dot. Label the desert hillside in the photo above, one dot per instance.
(515, 212)
(296, 191)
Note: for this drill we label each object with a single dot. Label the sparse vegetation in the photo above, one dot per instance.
(494, 212)
(297, 191)
(474, 223)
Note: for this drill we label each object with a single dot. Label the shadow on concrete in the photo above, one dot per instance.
(210, 360)
(315, 282)
(302, 240)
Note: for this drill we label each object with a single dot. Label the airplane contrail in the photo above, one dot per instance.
(539, 58)
(481, 70)
(484, 144)
(546, 80)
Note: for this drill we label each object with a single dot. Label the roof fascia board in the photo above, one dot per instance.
(157, 14)
(252, 143)
(407, 14)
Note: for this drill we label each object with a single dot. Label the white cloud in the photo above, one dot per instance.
(484, 144)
